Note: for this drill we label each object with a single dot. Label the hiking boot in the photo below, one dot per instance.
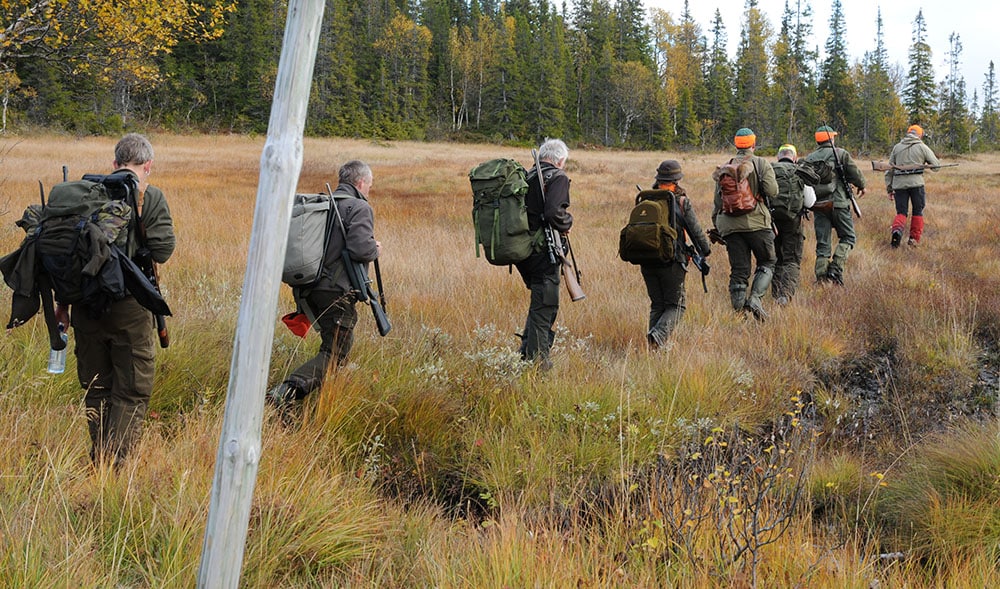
(897, 236)
(782, 301)
(754, 307)
(835, 277)
(912, 242)
(282, 395)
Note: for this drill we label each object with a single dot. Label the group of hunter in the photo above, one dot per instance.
(764, 245)
(115, 356)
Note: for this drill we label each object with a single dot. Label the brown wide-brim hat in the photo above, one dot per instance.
(669, 171)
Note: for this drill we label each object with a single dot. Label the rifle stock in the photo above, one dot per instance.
(153, 275)
(571, 274)
(361, 284)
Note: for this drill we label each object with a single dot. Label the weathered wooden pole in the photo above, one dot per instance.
(280, 163)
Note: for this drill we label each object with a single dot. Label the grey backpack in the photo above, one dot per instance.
(308, 236)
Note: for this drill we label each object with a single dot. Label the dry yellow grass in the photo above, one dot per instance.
(517, 441)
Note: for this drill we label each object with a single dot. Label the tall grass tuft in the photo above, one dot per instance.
(943, 507)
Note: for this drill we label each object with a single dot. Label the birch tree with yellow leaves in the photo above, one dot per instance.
(113, 41)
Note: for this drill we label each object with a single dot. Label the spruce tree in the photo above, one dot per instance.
(719, 109)
(989, 120)
(878, 98)
(753, 84)
(335, 100)
(631, 32)
(918, 93)
(794, 90)
(836, 91)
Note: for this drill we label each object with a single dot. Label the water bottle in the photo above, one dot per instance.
(57, 358)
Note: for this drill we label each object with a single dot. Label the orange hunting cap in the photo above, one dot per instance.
(915, 130)
(824, 134)
(744, 139)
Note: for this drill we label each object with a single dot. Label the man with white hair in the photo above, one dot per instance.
(539, 272)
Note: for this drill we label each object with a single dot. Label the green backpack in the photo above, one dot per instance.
(787, 204)
(651, 232)
(499, 212)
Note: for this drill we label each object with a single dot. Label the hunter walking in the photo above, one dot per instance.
(787, 210)
(832, 211)
(904, 181)
(115, 353)
(539, 271)
(665, 280)
(330, 303)
(742, 219)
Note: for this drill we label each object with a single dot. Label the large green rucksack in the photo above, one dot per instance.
(787, 204)
(499, 212)
(651, 232)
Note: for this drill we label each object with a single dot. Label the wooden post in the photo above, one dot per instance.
(280, 164)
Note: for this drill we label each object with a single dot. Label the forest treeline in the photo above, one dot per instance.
(597, 72)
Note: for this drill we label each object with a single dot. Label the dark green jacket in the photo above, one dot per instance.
(835, 188)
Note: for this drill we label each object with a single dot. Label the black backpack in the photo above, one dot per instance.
(75, 238)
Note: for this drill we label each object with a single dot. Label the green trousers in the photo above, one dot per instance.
(830, 260)
(115, 364)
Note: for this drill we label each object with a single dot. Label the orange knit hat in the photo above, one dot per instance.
(824, 134)
(915, 130)
(744, 139)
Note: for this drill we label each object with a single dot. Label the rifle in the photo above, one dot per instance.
(880, 166)
(839, 169)
(699, 262)
(557, 247)
(361, 284)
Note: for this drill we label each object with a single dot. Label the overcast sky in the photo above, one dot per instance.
(973, 21)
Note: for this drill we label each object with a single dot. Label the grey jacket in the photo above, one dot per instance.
(359, 222)
(911, 151)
